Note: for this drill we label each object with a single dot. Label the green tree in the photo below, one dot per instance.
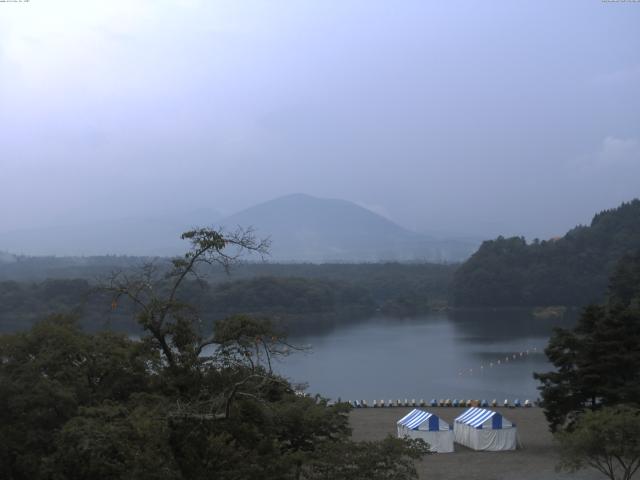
(624, 286)
(389, 459)
(49, 373)
(115, 441)
(568, 270)
(154, 291)
(184, 402)
(597, 362)
(607, 440)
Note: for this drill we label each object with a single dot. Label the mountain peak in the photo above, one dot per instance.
(307, 228)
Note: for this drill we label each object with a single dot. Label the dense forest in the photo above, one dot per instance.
(106, 406)
(299, 297)
(572, 270)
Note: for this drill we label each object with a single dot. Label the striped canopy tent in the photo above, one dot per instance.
(482, 429)
(428, 427)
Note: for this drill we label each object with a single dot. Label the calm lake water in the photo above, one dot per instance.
(443, 355)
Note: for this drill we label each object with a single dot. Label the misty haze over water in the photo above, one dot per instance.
(433, 356)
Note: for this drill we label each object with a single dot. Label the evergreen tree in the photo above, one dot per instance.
(598, 362)
(571, 270)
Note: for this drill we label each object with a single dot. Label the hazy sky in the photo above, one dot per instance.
(484, 117)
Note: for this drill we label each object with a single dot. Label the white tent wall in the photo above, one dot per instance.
(485, 439)
(419, 424)
(482, 429)
(439, 442)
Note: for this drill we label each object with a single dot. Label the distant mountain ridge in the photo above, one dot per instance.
(311, 229)
(302, 228)
(142, 236)
(571, 270)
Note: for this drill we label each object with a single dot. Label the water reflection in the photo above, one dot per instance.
(506, 325)
(438, 355)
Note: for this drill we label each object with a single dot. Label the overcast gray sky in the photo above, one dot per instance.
(482, 117)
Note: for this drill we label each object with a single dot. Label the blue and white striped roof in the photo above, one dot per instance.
(476, 417)
(414, 418)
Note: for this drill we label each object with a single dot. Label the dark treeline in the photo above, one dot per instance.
(302, 297)
(506, 272)
(572, 270)
(36, 269)
(183, 402)
(591, 397)
(598, 361)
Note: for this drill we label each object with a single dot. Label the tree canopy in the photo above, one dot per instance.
(180, 403)
(571, 270)
(607, 440)
(302, 297)
(597, 362)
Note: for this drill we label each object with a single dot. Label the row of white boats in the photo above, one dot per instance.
(441, 403)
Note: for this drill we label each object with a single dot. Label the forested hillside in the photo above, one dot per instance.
(303, 297)
(572, 270)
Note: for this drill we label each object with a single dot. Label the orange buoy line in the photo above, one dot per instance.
(498, 362)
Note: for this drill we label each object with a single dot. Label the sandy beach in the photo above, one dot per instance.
(536, 460)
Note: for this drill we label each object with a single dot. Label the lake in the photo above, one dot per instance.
(441, 355)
